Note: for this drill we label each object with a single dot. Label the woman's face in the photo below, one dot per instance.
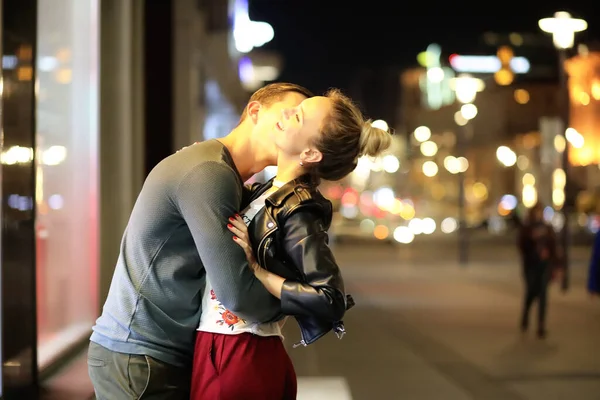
(266, 118)
(296, 128)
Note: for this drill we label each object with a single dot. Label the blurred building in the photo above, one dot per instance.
(584, 89)
(511, 148)
(505, 115)
(94, 94)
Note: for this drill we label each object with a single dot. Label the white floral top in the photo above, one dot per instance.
(218, 319)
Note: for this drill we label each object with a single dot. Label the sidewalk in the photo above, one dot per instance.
(437, 331)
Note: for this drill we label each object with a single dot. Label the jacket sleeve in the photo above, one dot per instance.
(321, 294)
(247, 193)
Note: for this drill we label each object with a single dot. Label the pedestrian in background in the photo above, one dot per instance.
(537, 245)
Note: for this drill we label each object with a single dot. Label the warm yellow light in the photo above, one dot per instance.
(466, 87)
(381, 232)
(521, 96)
(584, 98)
(504, 77)
(430, 168)
(505, 54)
(480, 191)
(558, 198)
(397, 207)
(560, 143)
(408, 212)
(25, 73)
(422, 133)
(429, 148)
(559, 178)
(528, 179)
(529, 196)
(596, 90)
(63, 75)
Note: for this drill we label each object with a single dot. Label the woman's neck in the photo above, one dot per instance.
(288, 170)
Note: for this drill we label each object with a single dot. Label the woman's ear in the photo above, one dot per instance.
(310, 156)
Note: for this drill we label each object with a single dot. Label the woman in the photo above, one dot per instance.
(537, 245)
(285, 225)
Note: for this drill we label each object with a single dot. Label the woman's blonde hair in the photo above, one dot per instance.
(345, 136)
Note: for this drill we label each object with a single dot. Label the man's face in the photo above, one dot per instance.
(269, 116)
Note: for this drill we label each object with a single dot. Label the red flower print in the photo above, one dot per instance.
(213, 296)
(229, 318)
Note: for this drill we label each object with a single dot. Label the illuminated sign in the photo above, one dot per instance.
(435, 83)
(254, 76)
(487, 64)
(249, 34)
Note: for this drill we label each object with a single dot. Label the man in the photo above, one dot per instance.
(539, 254)
(177, 237)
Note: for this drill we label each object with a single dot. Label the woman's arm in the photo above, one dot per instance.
(271, 281)
(305, 241)
(322, 293)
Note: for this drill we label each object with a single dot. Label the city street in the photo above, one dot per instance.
(424, 328)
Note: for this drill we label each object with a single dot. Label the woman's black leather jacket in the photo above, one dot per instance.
(289, 238)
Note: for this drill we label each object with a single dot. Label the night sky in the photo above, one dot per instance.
(325, 43)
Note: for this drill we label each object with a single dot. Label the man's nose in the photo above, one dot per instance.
(287, 113)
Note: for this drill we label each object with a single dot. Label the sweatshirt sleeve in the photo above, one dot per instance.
(206, 197)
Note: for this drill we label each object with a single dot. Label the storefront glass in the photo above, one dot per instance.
(66, 173)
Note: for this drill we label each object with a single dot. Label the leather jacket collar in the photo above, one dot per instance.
(298, 185)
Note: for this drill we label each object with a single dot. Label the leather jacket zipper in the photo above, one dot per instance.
(264, 253)
(302, 342)
(263, 243)
(298, 344)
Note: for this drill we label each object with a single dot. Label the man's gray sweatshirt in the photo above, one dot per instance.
(176, 237)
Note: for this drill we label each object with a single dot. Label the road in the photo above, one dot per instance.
(426, 329)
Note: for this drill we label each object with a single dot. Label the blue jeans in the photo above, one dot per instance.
(119, 376)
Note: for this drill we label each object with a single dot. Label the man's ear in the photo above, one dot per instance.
(311, 156)
(252, 110)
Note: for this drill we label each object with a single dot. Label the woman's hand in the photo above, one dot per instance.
(272, 282)
(237, 226)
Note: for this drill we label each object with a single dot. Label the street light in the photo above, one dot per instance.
(466, 88)
(563, 28)
(381, 124)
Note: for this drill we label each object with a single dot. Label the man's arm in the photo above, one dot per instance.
(207, 197)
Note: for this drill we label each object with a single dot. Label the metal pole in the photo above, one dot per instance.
(564, 110)
(463, 234)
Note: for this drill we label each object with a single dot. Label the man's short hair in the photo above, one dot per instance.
(273, 92)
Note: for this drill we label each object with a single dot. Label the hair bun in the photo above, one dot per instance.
(373, 141)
